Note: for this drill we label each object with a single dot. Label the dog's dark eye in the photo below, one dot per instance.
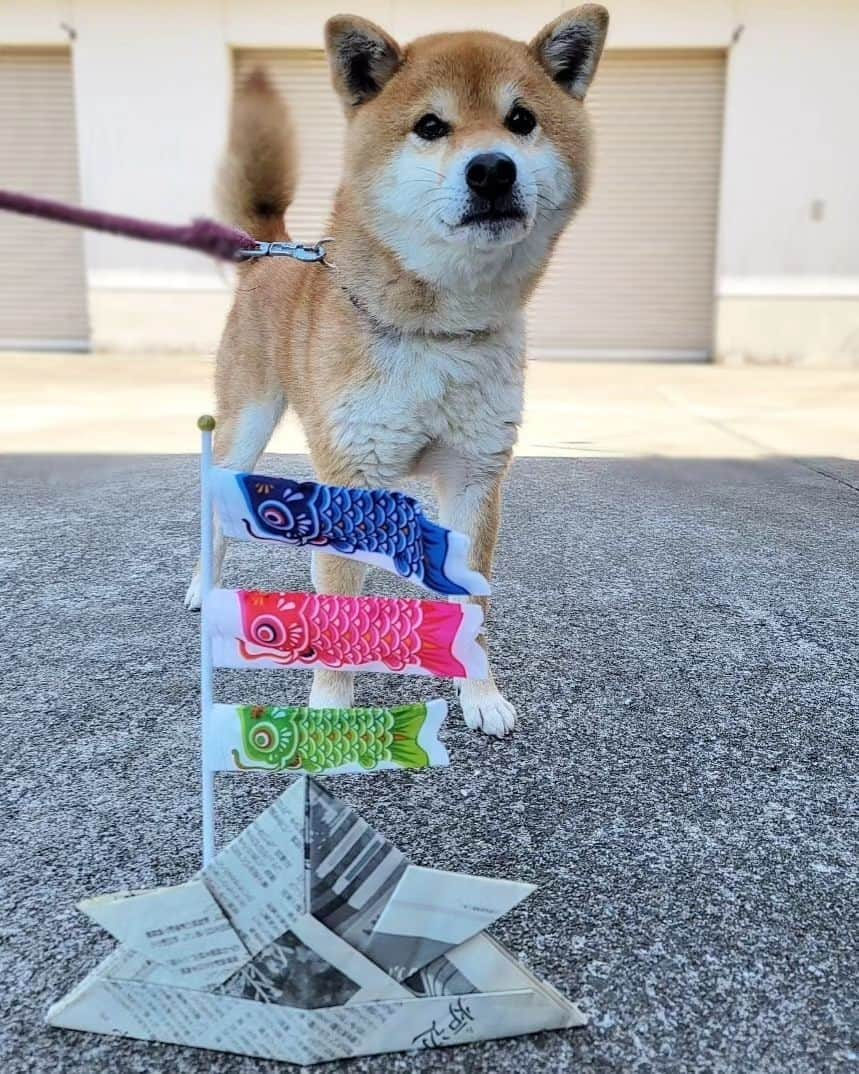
(520, 120)
(430, 127)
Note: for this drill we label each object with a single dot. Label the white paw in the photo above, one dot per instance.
(332, 690)
(485, 709)
(194, 593)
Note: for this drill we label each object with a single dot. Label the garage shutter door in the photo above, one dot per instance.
(634, 275)
(42, 282)
(302, 78)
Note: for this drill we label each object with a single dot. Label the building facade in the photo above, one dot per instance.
(723, 224)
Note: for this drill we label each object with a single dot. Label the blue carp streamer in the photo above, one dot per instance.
(386, 529)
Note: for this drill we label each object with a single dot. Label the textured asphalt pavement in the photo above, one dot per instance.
(680, 638)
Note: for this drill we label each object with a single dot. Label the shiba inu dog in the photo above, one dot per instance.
(466, 156)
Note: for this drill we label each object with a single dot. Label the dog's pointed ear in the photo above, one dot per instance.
(570, 47)
(362, 57)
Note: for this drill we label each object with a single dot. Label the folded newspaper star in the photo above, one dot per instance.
(311, 938)
(385, 529)
(309, 630)
(277, 738)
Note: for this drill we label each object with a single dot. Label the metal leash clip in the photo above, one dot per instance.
(299, 251)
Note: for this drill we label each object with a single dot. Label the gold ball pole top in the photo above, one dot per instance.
(205, 423)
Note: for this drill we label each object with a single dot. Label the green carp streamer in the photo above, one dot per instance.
(314, 740)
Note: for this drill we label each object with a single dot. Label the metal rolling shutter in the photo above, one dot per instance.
(301, 76)
(634, 274)
(42, 279)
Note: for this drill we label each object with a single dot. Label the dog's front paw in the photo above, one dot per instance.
(194, 593)
(484, 708)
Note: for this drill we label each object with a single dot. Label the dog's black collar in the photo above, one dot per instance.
(384, 328)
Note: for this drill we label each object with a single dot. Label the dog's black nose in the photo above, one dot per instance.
(490, 175)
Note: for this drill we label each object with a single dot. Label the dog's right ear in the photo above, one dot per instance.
(362, 57)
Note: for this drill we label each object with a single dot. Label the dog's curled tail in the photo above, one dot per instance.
(257, 177)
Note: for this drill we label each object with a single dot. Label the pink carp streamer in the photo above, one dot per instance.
(204, 236)
(306, 630)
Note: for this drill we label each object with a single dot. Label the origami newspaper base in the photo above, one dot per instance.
(311, 938)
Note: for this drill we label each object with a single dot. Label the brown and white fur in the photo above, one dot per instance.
(407, 357)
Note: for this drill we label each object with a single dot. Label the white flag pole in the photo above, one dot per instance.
(206, 424)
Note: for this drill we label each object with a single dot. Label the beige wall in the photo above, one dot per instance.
(153, 81)
(797, 331)
(788, 290)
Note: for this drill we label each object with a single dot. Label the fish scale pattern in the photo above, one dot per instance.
(385, 523)
(359, 630)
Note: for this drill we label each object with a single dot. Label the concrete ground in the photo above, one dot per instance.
(676, 617)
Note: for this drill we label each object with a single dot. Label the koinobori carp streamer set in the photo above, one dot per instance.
(310, 937)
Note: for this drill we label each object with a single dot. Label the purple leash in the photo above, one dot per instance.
(203, 235)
